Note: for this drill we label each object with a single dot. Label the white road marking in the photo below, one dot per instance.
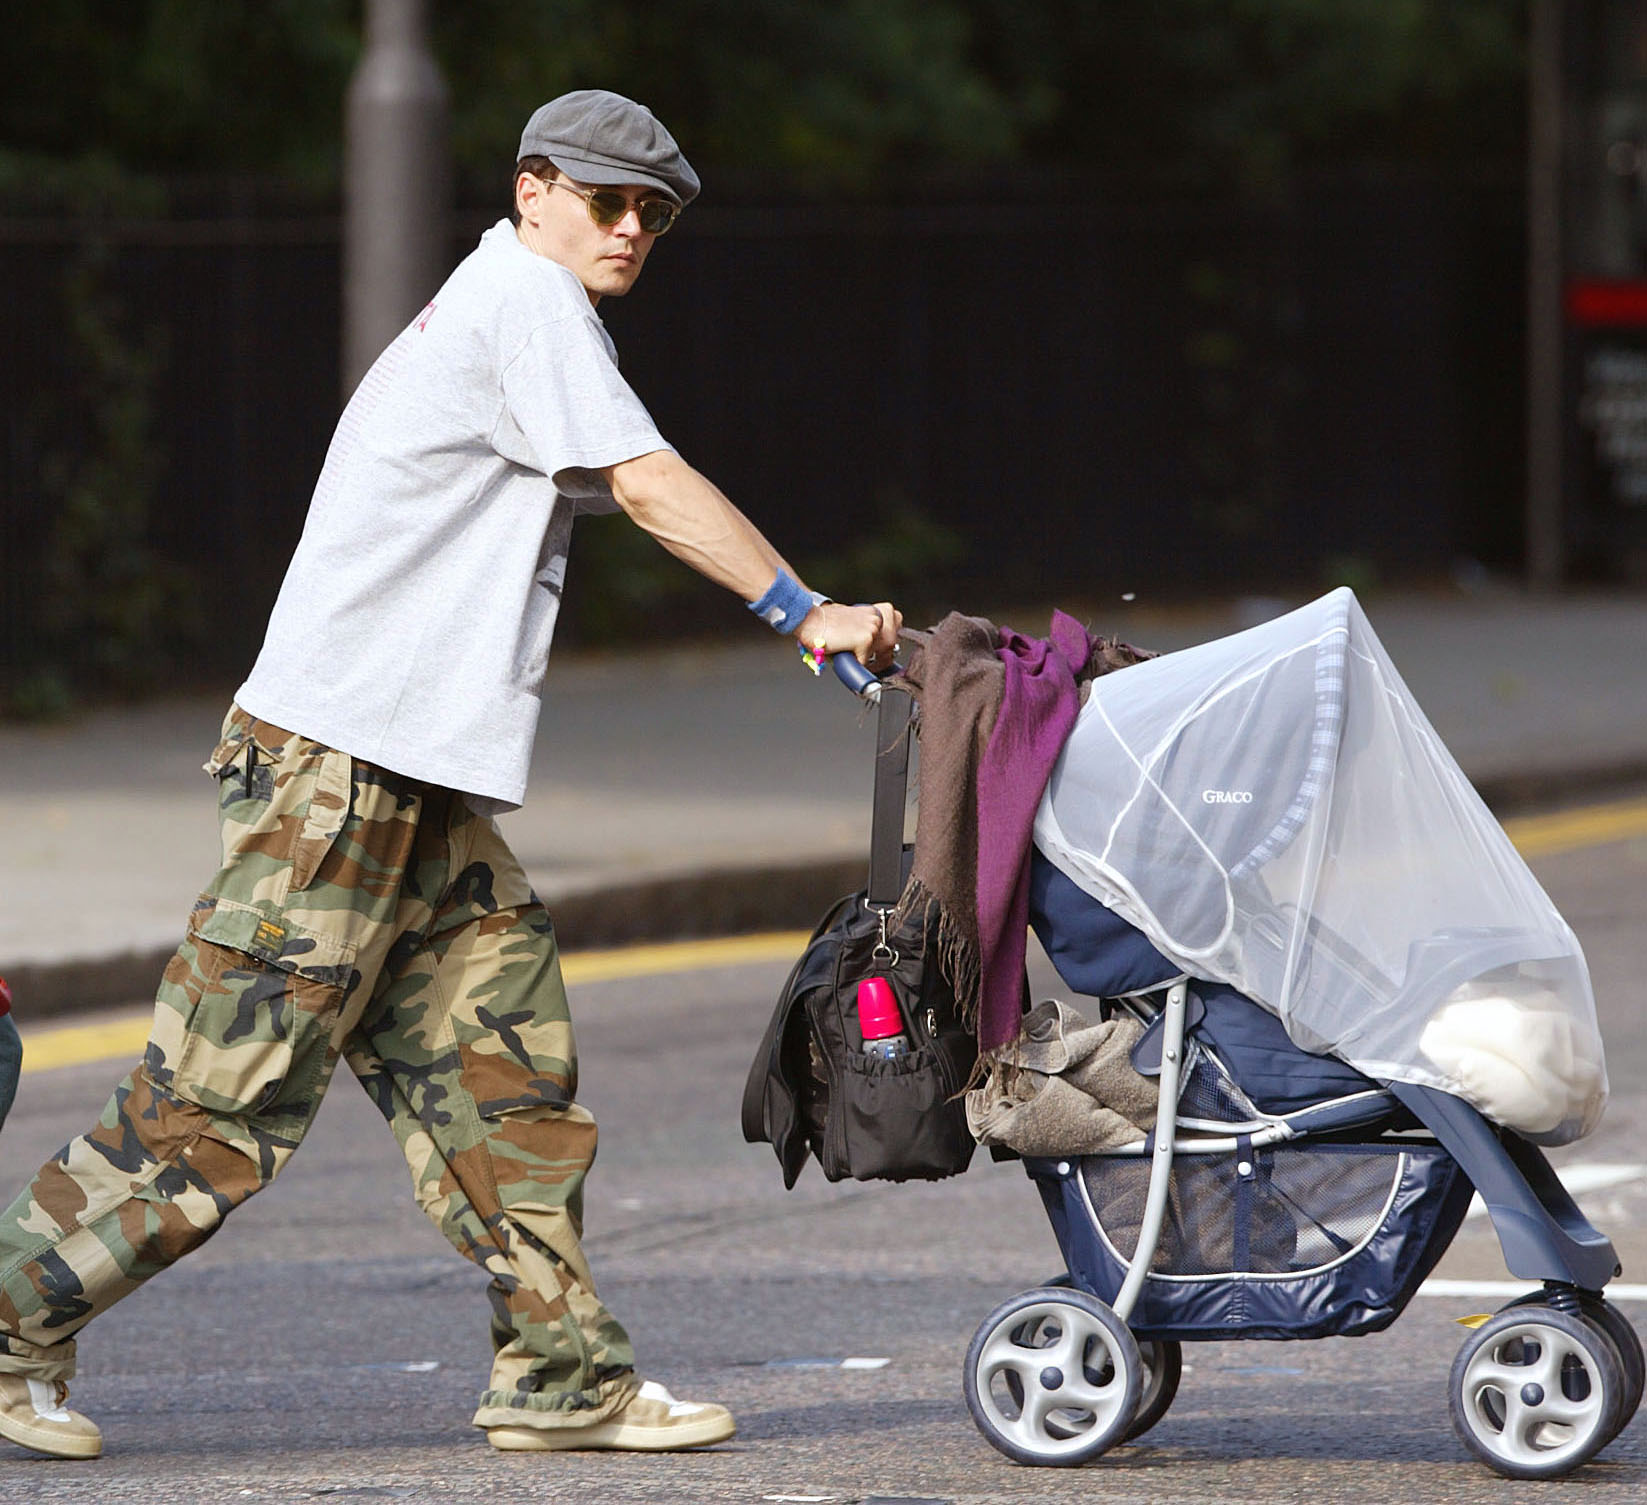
(1580, 1177)
(1502, 1290)
(821, 1363)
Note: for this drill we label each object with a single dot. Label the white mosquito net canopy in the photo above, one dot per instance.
(1274, 811)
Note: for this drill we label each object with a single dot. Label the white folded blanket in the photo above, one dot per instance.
(1518, 1058)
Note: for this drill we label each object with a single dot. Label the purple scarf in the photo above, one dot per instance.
(1039, 703)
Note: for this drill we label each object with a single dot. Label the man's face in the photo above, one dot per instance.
(555, 222)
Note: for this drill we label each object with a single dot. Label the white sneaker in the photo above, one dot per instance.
(33, 1415)
(653, 1422)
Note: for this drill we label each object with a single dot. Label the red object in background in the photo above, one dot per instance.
(1606, 305)
(5, 997)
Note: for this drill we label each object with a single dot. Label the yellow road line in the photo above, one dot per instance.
(682, 956)
(126, 1035)
(1571, 830)
(75, 1044)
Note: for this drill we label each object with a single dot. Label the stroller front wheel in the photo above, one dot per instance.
(1617, 1327)
(1535, 1392)
(1603, 1314)
(1053, 1377)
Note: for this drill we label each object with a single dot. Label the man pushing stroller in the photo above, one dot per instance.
(367, 909)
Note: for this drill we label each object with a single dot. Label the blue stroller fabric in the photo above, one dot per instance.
(1261, 1057)
(1095, 951)
(1099, 954)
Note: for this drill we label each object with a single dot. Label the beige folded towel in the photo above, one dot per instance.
(1069, 1088)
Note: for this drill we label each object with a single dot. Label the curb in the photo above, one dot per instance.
(728, 901)
(1550, 789)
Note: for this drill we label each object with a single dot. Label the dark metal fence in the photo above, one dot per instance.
(1097, 391)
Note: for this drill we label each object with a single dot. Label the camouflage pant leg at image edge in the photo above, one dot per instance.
(248, 1022)
(11, 1064)
(325, 868)
(468, 1051)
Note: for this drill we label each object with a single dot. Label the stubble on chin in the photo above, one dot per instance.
(618, 281)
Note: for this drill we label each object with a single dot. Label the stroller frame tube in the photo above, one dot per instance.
(1542, 1233)
(1160, 1172)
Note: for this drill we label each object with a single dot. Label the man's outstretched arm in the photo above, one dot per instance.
(698, 523)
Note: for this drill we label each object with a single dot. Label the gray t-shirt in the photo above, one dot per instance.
(413, 626)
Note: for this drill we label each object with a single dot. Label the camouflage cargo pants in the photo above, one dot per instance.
(363, 916)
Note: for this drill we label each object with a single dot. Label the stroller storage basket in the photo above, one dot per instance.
(1293, 1241)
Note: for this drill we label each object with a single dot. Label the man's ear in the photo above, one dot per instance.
(529, 195)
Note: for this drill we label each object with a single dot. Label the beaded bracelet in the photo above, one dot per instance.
(812, 657)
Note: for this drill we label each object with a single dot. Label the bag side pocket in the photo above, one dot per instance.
(898, 1119)
(784, 1103)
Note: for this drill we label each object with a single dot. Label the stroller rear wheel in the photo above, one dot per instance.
(1053, 1376)
(1163, 1367)
(1534, 1392)
(1163, 1361)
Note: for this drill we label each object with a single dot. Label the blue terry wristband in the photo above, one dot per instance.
(786, 603)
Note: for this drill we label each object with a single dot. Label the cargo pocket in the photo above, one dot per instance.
(244, 771)
(247, 1010)
(282, 800)
(324, 816)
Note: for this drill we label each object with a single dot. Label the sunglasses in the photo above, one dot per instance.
(607, 206)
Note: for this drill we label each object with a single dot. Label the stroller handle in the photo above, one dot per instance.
(862, 682)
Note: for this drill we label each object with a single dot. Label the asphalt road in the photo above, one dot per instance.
(328, 1344)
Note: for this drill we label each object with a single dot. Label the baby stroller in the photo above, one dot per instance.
(1360, 1009)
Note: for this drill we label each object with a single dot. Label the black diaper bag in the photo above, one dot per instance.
(812, 1088)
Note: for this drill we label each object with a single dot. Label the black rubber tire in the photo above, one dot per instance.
(1625, 1339)
(1163, 1360)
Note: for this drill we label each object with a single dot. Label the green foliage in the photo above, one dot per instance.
(901, 558)
(110, 611)
(156, 86)
(624, 587)
(840, 91)
(1361, 574)
(42, 693)
(1240, 388)
(1248, 90)
(109, 100)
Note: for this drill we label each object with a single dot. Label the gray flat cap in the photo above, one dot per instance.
(599, 137)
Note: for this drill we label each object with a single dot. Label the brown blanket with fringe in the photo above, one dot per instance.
(958, 675)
